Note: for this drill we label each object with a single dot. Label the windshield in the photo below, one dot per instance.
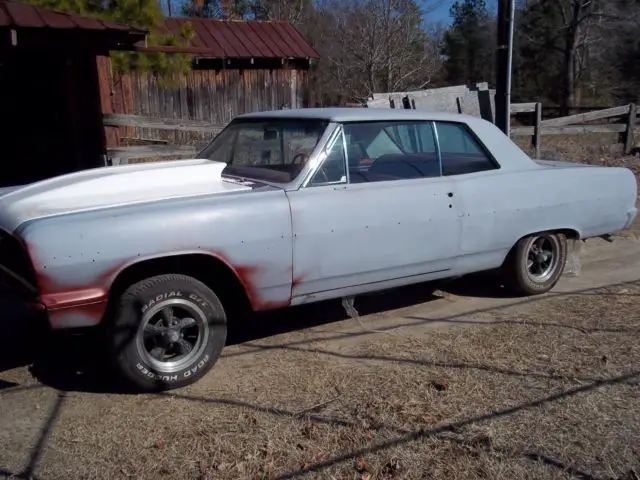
(273, 150)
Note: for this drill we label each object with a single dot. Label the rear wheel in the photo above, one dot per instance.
(535, 264)
(167, 332)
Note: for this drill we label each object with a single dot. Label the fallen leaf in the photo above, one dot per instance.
(160, 444)
(440, 385)
(479, 442)
(362, 466)
(392, 467)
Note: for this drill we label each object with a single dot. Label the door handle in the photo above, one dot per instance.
(450, 194)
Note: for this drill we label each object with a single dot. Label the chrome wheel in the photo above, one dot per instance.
(172, 334)
(543, 253)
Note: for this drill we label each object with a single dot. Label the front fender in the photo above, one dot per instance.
(76, 257)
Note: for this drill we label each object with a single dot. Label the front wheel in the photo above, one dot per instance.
(535, 264)
(167, 332)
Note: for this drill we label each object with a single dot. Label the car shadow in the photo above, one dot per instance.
(76, 361)
(479, 285)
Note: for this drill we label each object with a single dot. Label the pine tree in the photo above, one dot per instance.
(144, 14)
(469, 43)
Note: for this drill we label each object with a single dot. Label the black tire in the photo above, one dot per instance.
(518, 276)
(151, 313)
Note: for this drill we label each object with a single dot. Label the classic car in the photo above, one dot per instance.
(289, 207)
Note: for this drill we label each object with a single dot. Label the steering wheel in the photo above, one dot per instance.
(303, 156)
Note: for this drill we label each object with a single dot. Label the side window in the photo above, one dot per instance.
(397, 150)
(333, 169)
(460, 151)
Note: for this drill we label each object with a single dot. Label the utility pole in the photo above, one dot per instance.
(504, 56)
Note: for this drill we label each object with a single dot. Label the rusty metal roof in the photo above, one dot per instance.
(21, 15)
(241, 39)
(212, 38)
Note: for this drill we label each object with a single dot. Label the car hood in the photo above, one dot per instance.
(110, 186)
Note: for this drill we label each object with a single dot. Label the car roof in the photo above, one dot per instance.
(354, 114)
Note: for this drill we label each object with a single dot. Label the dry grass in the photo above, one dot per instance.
(547, 389)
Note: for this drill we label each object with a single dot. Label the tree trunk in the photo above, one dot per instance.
(568, 84)
(568, 63)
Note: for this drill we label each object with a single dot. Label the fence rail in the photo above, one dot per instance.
(122, 155)
(569, 125)
(122, 120)
(570, 129)
(523, 107)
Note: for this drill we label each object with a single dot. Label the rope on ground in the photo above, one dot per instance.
(347, 304)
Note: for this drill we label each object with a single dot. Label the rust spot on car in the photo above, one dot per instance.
(54, 294)
(297, 280)
(90, 300)
(246, 276)
(64, 317)
(71, 298)
(63, 301)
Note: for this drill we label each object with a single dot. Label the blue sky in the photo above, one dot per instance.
(439, 10)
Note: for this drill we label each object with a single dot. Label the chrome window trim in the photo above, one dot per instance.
(318, 157)
(436, 140)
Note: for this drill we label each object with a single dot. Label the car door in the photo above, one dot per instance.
(487, 203)
(374, 220)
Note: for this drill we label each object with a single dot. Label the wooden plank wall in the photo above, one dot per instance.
(213, 96)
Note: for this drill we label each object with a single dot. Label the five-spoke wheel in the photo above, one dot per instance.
(167, 332)
(172, 333)
(535, 264)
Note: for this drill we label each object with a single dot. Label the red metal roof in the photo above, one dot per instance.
(240, 39)
(22, 15)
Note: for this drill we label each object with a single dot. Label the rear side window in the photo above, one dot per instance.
(460, 151)
(390, 150)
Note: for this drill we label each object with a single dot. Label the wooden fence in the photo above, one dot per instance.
(570, 125)
(123, 154)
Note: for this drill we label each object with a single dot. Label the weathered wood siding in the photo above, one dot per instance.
(213, 96)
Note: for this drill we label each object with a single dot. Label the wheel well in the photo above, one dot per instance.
(211, 271)
(568, 232)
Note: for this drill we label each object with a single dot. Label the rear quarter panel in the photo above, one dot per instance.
(76, 257)
(500, 207)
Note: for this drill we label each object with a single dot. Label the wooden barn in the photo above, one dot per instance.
(57, 84)
(237, 67)
(49, 92)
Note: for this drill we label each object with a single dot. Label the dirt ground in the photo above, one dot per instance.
(461, 382)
